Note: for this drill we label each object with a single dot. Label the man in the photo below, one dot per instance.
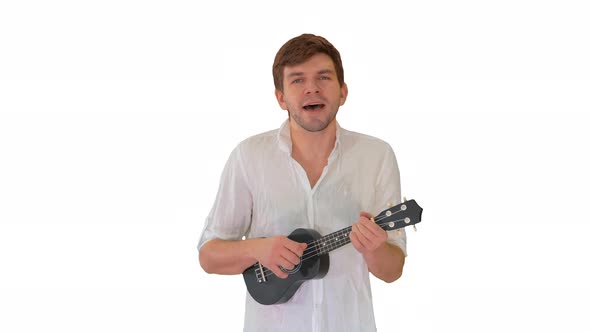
(310, 173)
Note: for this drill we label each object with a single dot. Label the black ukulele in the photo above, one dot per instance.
(266, 288)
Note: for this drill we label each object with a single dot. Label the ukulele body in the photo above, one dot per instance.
(270, 289)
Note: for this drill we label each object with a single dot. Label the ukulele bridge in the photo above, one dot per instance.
(261, 277)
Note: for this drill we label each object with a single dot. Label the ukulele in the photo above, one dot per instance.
(266, 288)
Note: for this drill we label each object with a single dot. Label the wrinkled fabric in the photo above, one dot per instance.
(264, 192)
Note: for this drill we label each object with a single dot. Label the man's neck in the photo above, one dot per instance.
(308, 146)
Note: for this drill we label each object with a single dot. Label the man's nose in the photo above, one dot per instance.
(311, 87)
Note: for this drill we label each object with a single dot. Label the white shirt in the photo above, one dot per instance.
(264, 192)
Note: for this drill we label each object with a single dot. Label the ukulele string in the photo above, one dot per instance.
(313, 251)
(310, 254)
(312, 244)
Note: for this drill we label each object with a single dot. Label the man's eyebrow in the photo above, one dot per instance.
(298, 73)
(320, 72)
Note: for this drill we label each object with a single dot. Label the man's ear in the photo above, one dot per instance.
(280, 98)
(343, 94)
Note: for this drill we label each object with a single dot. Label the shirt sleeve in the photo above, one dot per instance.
(230, 216)
(389, 191)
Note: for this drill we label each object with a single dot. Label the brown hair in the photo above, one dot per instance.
(300, 49)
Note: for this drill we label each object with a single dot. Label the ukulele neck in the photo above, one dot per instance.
(332, 241)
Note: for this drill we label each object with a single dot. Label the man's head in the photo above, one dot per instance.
(309, 82)
(299, 50)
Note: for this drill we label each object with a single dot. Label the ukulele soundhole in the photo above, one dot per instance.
(294, 270)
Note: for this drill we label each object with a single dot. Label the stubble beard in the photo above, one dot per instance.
(313, 125)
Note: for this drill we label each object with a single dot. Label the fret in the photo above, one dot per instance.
(334, 240)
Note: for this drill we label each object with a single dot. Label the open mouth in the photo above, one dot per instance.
(313, 107)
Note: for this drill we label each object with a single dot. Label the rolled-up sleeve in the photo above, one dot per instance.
(230, 216)
(389, 191)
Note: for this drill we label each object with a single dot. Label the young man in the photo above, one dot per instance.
(309, 173)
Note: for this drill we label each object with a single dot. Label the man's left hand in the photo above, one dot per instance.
(366, 235)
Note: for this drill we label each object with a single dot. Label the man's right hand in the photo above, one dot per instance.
(276, 251)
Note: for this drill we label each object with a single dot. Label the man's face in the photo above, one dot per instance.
(311, 93)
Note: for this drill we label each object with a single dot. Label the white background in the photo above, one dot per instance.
(116, 118)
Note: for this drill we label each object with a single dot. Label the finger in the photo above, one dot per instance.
(355, 242)
(296, 247)
(363, 229)
(285, 263)
(278, 272)
(371, 227)
(366, 215)
(290, 257)
(367, 220)
(363, 239)
(303, 246)
(373, 233)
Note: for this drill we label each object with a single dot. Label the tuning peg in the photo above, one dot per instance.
(389, 204)
(415, 229)
(405, 200)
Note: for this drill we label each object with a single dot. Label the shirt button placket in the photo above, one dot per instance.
(318, 285)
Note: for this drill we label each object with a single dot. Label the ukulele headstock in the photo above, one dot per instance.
(399, 216)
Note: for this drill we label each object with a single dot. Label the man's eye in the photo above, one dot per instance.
(324, 78)
(299, 80)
